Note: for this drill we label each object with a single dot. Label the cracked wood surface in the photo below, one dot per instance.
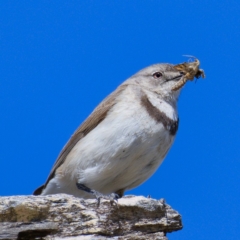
(65, 217)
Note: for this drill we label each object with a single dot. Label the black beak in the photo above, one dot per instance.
(178, 77)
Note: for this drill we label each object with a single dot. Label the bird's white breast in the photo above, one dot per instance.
(123, 151)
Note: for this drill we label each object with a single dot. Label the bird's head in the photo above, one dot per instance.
(159, 78)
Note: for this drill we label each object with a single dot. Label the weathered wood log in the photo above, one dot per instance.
(63, 216)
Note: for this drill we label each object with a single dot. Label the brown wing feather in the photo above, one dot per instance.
(89, 124)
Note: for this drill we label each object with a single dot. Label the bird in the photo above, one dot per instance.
(123, 141)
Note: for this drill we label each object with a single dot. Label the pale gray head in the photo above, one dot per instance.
(159, 78)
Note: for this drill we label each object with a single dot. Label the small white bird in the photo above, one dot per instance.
(124, 140)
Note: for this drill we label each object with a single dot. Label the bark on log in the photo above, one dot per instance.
(65, 217)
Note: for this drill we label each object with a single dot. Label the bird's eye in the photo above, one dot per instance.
(157, 74)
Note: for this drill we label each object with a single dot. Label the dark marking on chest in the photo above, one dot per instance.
(159, 116)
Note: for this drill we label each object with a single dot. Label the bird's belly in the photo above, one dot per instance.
(120, 153)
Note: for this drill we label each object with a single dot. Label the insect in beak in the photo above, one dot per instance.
(189, 70)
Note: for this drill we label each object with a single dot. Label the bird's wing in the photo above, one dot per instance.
(88, 125)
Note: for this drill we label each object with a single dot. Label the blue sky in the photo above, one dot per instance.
(59, 59)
